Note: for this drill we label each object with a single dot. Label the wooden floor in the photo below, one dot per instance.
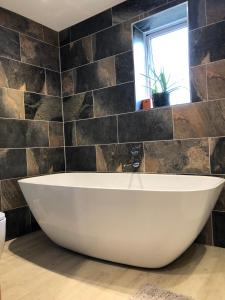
(32, 268)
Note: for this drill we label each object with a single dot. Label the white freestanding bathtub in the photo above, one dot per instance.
(137, 219)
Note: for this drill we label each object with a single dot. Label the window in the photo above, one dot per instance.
(160, 44)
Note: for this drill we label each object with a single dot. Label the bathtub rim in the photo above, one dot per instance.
(221, 182)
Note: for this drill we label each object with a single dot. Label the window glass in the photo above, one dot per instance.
(169, 52)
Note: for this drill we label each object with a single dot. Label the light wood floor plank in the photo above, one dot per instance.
(34, 268)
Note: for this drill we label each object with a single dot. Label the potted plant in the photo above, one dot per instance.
(160, 88)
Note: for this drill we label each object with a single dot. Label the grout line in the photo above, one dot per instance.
(207, 63)
(30, 36)
(92, 52)
(46, 89)
(58, 40)
(31, 120)
(49, 144)
(26, 151)
(207, 25)
(144, 156)
(28, 64)
(97, 60)
(20, 47)
(93, 107)
(138, 142)
(205, 8)
(29, 92)
(42, 28)
(206, 80)
(63, 119)
(70, 34)
(102, 88)
(25, 148)
(209, 149)
(96, 164)
(173, 123)
(75, 124)
(73, 82)
(117, 128)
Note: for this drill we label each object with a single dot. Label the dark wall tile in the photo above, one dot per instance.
(198, 84)
(80, 159)
(183, 156)
(91, 25)
(13, 163)
(95, 75)
(9, 44)
(67, 83)
(56, 138)
(38, 53)
(18, 222)
(114, 100)
(11, 104)
(40, 107)
(145, 126)
(217, 155)
(23, 133)
(215, 11)
(118, 157)
(76, 54)
(203, 119)
(219, 229)
(216, 80)
(36, 134)
(45, 161)
(124, 67)
(207, 44)
(51, 36)
(53, 83)
(220, 205)
(20, 23)
(21, 76)
(64, 36)
(116, 39)
(97, 131)
(157, 9)
(131, 8)
(70, 133)
(197, 13)
(34, 225)
(12, 196)
(206, 236)
(77, 107)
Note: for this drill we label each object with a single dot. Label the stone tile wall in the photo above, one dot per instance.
(101, 125)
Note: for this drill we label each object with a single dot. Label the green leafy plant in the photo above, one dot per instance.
(160, 83)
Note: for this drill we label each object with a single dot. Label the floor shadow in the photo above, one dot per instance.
(38, 249)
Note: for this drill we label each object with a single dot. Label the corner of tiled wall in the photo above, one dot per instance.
(31, 123)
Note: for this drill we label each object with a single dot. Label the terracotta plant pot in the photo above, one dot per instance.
(146, 104)
(161, 99)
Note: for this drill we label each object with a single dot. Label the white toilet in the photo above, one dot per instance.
(2, 231)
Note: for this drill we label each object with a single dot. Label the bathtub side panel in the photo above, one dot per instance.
(148, 229)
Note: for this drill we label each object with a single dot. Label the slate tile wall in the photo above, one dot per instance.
(101, 125)
(31, 119)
